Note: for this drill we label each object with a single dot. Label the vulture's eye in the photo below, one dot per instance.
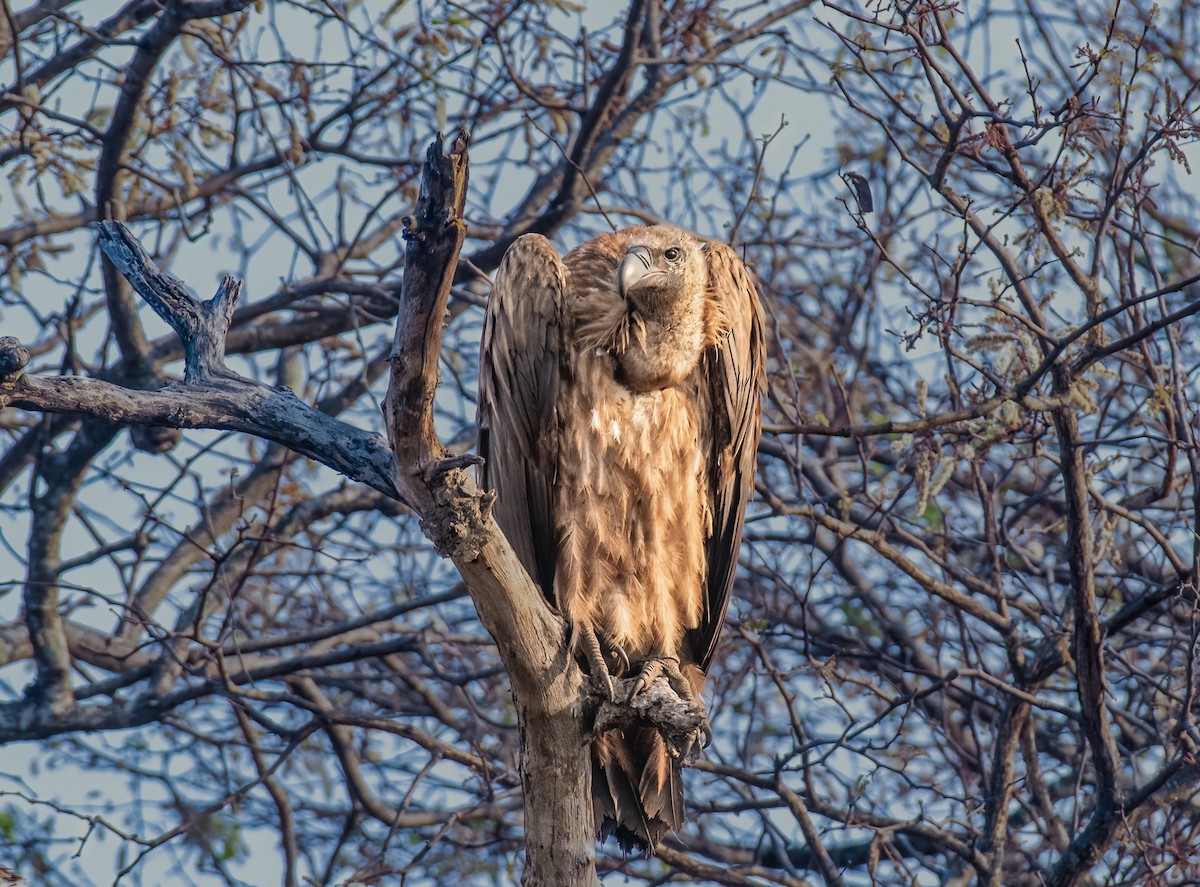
(673, 254)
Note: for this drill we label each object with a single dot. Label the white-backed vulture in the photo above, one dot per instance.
(619, 418)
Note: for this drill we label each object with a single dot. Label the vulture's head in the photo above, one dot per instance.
(662, 272)
(662, 279)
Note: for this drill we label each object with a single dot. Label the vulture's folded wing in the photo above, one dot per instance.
(519, 369)
(735, 370)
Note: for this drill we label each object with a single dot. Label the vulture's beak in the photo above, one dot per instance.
(633, 268)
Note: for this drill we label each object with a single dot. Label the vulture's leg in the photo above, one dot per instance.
(668, 667)
(589, 645)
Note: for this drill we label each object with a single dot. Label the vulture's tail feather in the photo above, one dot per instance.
(637, 788)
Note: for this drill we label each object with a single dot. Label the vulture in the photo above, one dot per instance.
(619, 420)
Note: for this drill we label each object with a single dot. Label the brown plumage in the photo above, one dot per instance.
(618, 419)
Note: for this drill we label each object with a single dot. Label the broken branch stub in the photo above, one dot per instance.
(434, 236)
(201, 326)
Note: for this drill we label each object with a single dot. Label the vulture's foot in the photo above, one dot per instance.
(668, 667)
(589, 644)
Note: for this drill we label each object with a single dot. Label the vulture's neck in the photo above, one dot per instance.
(652, 349)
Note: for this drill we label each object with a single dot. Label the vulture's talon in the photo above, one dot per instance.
(602, 685)
(666, 667)
(622, 658)
(701, 739)
(650, 670)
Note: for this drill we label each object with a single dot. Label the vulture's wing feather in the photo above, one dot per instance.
(736, 374)
(519, 365)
